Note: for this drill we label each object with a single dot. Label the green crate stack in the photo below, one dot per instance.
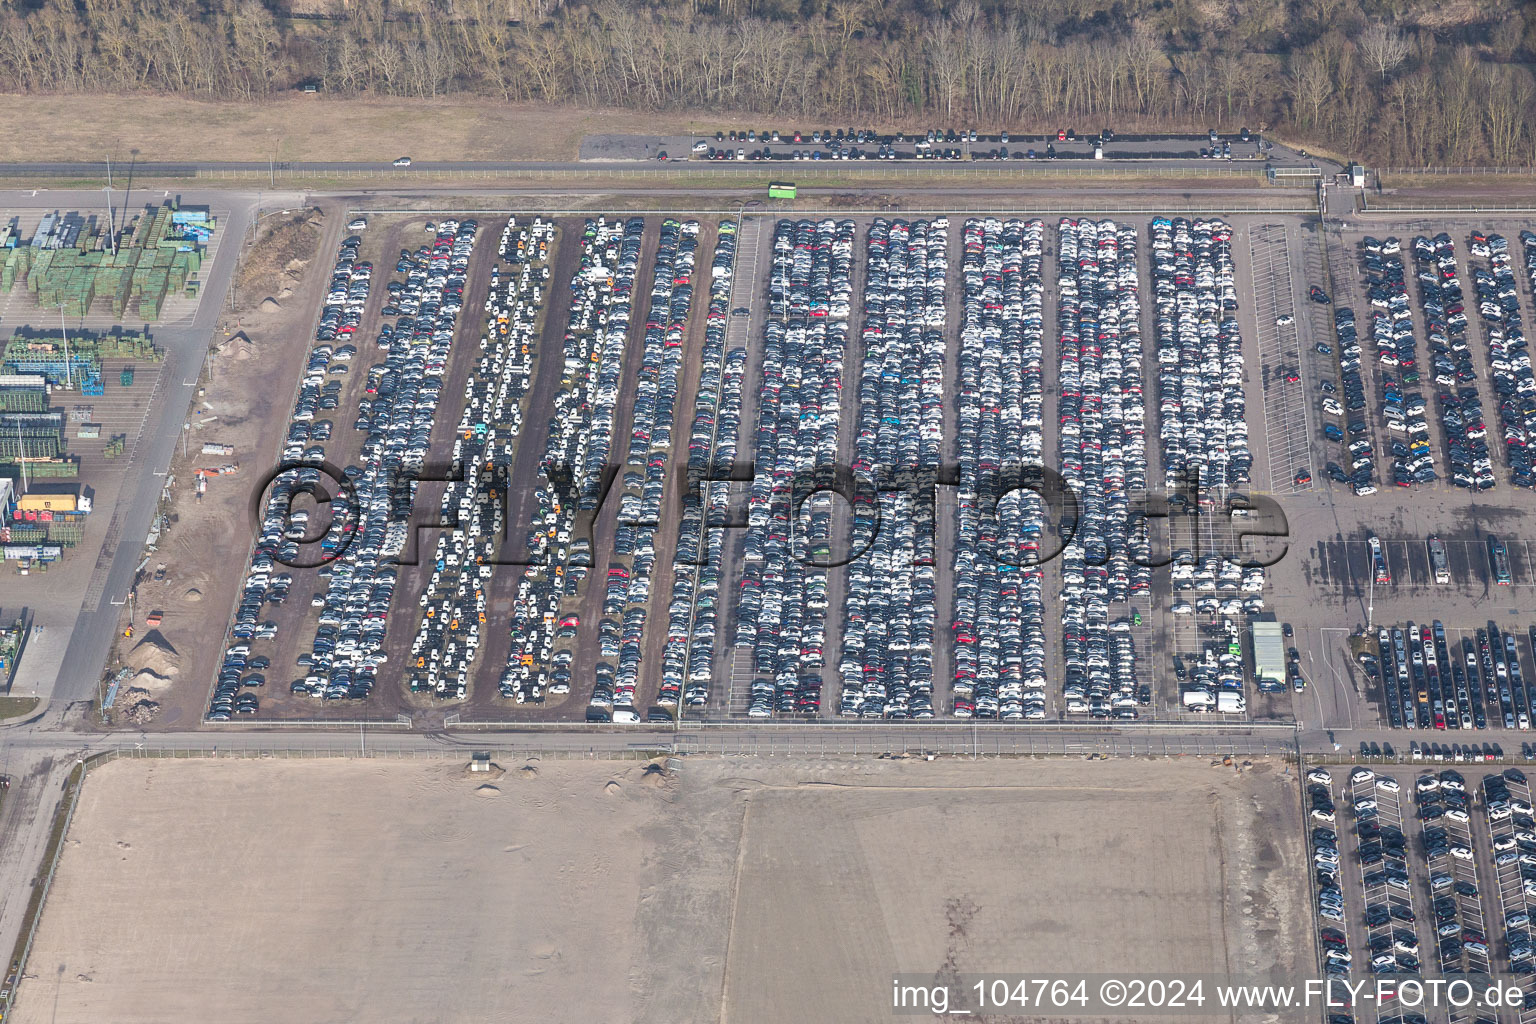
(22, 399)
(67, 532)
(27, 534)
(57, 469)
(135, 345)
(36, 447)
(38, 272)
(150, 301)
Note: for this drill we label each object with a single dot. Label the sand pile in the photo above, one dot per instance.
(155, 654)
(148, 680)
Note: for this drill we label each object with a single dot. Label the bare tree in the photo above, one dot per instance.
(1383, 49)
(1310, 85)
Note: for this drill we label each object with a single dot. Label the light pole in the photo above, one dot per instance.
(21, 455)
(1370, 602)
(69, 380)
(111, 227)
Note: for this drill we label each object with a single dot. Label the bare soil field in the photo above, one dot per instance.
(304, 128)
(734, 890)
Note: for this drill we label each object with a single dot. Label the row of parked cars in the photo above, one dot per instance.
(1382, 848)
(1200, 354)
(1361, 475)
(558, 564)
(1468, 463)
(1506, 799)
(782, 599)
(577, 440)
(687, 661)
(889, 612)
(396, 414)
(1514, 383)
(1444, 812)
(1102, 447)
(283, 527)
(650, 447)
(1403, 411)
(998, 625)
(453, 621)
(1338, 962)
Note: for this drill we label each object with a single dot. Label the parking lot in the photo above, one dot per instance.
(1421, 870)
(889, 345)
(1344, 564)
(1287, 402)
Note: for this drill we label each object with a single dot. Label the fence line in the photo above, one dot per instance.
(216, 753)
(1447, 170)
(1386, 206)
(792, 213)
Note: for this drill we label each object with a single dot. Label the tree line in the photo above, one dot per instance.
(1359, 77)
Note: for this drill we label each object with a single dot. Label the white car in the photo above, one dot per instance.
(1461, 852)
(1390, 785)
(1362, 775)
(1284, 319)
(403, 161)
(1320, 775)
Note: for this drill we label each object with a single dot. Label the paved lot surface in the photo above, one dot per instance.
(79, 607)
(1171, 150)
(560, 894)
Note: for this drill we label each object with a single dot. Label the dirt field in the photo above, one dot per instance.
(303, 128)
(735, 890)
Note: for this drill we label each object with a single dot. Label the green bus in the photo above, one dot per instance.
(781, 190)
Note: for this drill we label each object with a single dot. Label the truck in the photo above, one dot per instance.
(1379, 560)
(1498, 557)
(1268, 656)
(1439, 563)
